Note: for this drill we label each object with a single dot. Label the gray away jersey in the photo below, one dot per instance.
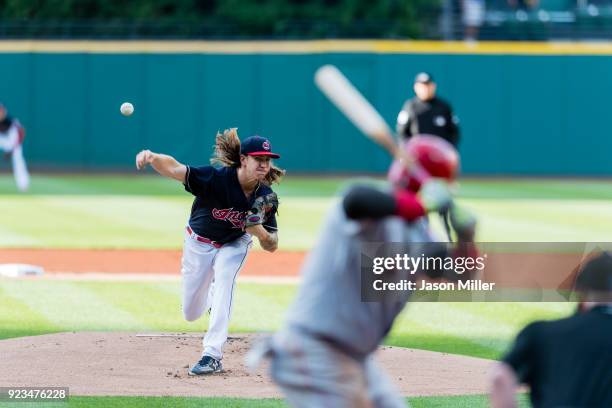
(329, 303)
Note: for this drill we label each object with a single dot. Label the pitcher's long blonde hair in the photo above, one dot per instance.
(227, 154)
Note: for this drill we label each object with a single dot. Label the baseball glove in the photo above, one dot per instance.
(263, 207)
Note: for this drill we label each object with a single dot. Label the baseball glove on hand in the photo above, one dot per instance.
(263, 207)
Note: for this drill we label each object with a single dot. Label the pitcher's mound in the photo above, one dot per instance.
(157, 364)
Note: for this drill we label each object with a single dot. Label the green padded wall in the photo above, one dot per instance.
(520, 114)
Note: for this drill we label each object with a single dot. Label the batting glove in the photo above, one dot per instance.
(436, 195)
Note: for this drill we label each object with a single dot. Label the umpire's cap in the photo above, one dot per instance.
(596, 274)
(423, 78)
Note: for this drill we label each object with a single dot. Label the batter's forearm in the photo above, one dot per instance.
(363, 202)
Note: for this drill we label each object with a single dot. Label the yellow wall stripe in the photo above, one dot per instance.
(309, 47)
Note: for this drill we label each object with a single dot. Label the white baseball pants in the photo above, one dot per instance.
(20, 170)
(201, 264)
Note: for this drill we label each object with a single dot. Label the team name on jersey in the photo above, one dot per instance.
(230, 215)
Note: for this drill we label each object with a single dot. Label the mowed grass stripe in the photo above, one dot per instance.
(126, 221)
(101, 222)
(156, 222)
(541, 220)
(148, 183)
(131, 222)
(555, 189)
(280, 294)
(258, 309)
(460, 401)
(9, 237)
(71, 306)
(155, 308)
(514, 314)
(413, 335)
(17, 319)
(142, 213)
(300, 219)
(251, 312)
(450, 321)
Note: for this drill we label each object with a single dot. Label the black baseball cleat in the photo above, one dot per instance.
(206, 365)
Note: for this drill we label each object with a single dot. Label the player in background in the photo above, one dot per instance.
(233, 201)
(323, 355)
(12, 134)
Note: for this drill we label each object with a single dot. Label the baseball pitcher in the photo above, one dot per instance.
(233, 202)
(323, 355)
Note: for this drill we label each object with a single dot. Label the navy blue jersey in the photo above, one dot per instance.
(220, 205)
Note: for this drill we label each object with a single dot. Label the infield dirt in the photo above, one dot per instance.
(285, 263)
(156, 364)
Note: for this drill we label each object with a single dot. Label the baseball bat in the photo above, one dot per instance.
(341, 92)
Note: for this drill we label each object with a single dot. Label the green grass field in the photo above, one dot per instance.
(146, 211)
(472, 401)
(117, 211)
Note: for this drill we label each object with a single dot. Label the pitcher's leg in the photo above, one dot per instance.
(211, 293)
(227, 266)
(20, 170)
(197, 272)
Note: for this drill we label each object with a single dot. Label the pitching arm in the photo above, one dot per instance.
(165, 165)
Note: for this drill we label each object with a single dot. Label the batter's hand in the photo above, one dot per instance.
(262, 206)
(436, 195)
(463, 222)
(143, 158)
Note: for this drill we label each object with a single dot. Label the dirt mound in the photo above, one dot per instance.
(157, 364)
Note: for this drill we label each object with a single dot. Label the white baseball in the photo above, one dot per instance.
(127, 109)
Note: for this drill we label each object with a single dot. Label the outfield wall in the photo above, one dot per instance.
(538, 109)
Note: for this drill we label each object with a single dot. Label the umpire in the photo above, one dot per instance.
(567, 362)
(427, 114)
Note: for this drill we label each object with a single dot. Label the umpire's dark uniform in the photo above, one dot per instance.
(433, 116)
(568, 362)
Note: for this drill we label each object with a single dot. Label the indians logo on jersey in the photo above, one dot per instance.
(230, 215)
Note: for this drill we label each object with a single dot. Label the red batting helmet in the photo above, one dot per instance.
(435, 156)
